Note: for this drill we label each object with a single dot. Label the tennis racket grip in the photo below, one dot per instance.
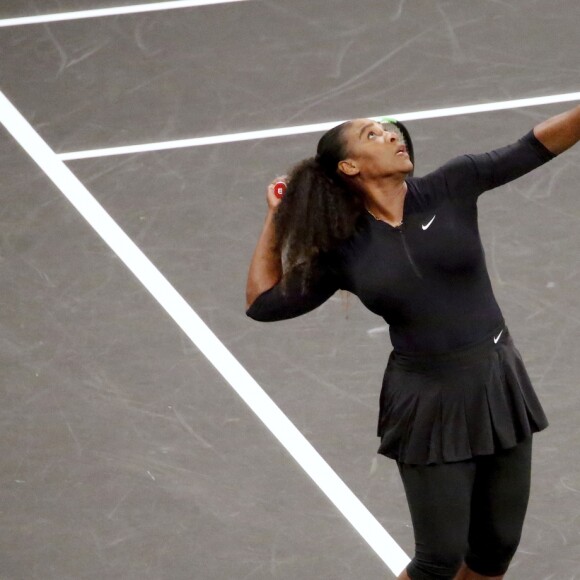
(279, 189)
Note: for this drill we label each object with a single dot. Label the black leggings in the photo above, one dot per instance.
(470, 511)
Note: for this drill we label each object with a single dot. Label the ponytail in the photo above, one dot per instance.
(317, 211)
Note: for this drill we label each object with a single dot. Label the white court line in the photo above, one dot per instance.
(318, 127)
(115, 11)
(221, 358)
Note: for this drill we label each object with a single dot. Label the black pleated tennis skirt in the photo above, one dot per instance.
(441, 408)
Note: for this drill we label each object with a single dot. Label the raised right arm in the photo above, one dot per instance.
(265, 300)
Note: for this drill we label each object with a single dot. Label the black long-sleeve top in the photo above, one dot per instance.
(427, 278)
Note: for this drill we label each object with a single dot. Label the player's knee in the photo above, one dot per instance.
(493, 558)
(442, 566)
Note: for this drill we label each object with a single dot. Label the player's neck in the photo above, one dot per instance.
(385, 201)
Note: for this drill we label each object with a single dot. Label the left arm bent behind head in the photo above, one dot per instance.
(560, 132)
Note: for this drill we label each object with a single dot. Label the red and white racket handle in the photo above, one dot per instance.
(279, 189)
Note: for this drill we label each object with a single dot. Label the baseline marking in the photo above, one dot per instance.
(116, 11)
(207, 342)
(318, 127)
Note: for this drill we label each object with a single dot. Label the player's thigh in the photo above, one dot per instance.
(500, 500)
(439, 498)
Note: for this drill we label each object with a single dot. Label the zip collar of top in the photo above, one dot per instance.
(401, 231)
(399, 225)
(382, 220)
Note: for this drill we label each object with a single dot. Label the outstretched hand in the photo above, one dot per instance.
(560, 132)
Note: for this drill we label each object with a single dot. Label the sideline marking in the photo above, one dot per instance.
(302, 129)
(207, 342)
(100, 12)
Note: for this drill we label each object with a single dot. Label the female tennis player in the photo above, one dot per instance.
(457, 409)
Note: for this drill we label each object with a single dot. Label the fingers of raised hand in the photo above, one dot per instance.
(276, 190)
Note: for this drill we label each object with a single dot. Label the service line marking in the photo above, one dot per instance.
(115, 11)
(207, 342)
(315, 128)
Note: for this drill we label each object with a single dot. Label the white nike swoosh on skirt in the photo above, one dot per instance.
(497, 337)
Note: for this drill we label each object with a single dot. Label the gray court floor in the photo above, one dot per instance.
(124, 454)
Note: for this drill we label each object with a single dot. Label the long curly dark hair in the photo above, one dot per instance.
(318, 209)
